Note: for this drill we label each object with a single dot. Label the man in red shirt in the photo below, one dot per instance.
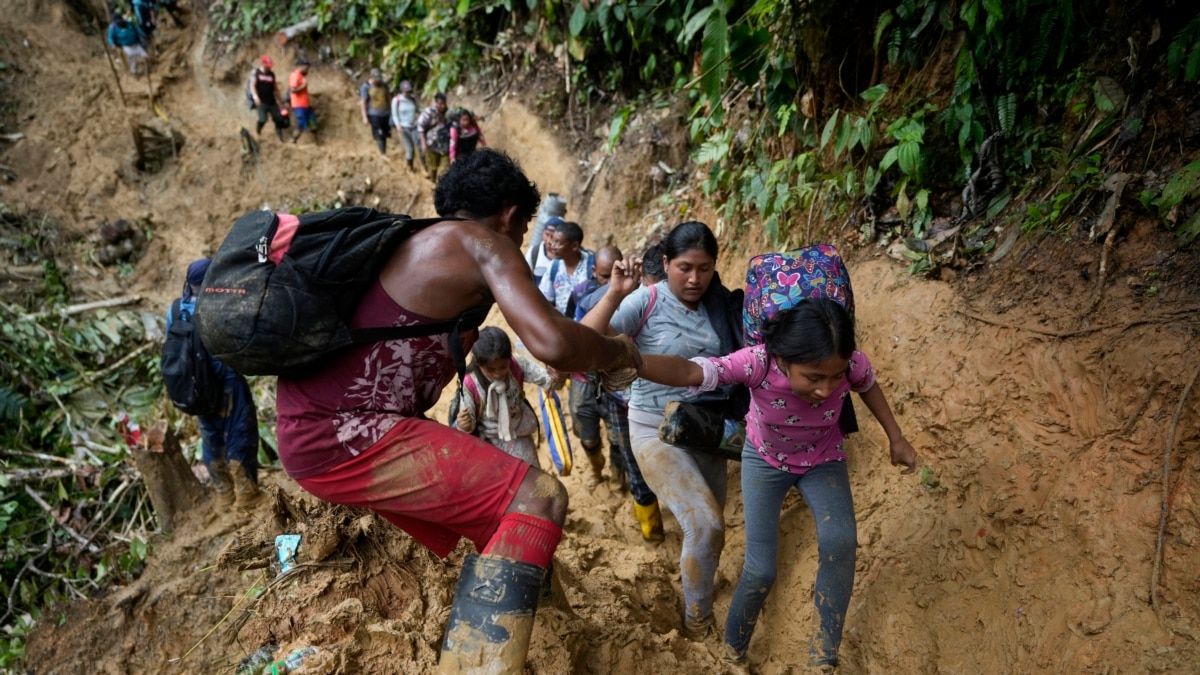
(301, 104)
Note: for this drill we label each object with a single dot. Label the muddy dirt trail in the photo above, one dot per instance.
(1026, 545)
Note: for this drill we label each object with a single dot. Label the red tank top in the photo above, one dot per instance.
(358, 396)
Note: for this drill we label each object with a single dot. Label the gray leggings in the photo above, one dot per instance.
(692, 485)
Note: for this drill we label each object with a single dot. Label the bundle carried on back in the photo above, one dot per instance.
(779, 281)
(281, 290)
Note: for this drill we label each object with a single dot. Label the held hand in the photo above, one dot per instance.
(904, 455)
(626, 274)
(466, 423)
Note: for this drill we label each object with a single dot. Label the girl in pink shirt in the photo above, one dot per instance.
(798, 380)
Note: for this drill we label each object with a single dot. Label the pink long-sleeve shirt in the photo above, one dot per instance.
(789, 433)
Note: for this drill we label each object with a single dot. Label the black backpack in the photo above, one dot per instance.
(281, 290)
(187, 368)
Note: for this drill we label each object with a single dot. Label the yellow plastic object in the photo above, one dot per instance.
(556, 432)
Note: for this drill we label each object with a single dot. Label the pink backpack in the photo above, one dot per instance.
(778, 281)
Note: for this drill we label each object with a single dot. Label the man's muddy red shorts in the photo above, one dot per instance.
(432, 481)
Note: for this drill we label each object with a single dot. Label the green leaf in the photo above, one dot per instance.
(843, 136)
(922, 199)
(713, 62)
(138, 548)
(578, 20)
(694, 24)
(874, 93)
(617, 127)
(909, 156)
(881, 26)
(1192, 70)
(747, 53)
(827, 133)
(889, 158)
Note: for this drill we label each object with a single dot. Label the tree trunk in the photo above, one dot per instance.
(169, 479)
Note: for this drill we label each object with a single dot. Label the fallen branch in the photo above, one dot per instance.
(87, 306)
(1165, 508)
(92, 548)
(306, 26)
(23, 476)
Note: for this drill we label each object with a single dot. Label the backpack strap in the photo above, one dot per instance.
(646, 314)
(517, 371)
(471, 388)
(469, 320)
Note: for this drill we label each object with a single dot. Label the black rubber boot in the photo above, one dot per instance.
(492, 616)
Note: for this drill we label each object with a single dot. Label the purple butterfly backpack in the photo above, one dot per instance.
(778, 281)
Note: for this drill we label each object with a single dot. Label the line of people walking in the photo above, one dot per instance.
(434, 135)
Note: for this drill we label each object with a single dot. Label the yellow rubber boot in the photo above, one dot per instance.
(650, 518)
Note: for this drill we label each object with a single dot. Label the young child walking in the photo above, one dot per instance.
(798, 380)
(493, 404)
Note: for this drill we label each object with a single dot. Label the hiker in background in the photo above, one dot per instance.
(686, 315)
(228, 438)
(553, 209)
(494, 406)
(354, 431)
(266, 97)
(373, 103)
(542, 253)
(465, 136)
(798, 382)
(613, 408)
(146, 14)
(132, 41)
(571, 266)
(404, 118)
(434, 136)
(300, 100)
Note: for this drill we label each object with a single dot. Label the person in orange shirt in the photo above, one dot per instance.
(301, 104)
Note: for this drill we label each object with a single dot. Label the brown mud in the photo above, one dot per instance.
(1027, 546)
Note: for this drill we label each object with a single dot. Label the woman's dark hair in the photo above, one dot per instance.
(493, 345)
(687, 236)
(810, 332)
(652, 264)
(482, 184)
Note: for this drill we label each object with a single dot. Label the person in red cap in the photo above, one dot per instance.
(265, 92)
(404, 118)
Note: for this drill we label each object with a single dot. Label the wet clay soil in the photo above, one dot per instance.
(1032, 553)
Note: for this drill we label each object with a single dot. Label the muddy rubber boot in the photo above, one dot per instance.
(246, 494)
(595, 477)
(410, 164)
(222, 485)
(492, 616)
(650, 518)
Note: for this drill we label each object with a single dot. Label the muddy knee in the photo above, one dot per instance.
(543, 496)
